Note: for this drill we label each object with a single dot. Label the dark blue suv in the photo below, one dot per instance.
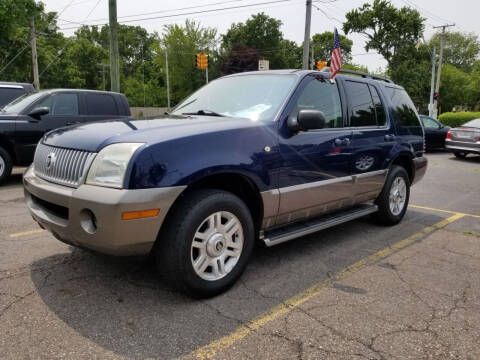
(267, 156)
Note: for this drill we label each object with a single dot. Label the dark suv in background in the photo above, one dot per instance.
(10, 91)
(25, 120)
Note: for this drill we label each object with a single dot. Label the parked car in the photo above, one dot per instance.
(24, 121)
(435, 133)
(465, 139)
(270, 155)
(10, 91)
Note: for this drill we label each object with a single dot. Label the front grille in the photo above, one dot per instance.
(61, 166)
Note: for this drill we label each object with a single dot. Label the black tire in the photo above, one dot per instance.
(5, 165)
(384, 215)
(173, 249)
(460, 154)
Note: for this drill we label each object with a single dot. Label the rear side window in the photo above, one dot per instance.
(405, 112)
(321, 95)
(101, 104)
(361, 102)
(429, 123)
(379, 109)
(9, 94)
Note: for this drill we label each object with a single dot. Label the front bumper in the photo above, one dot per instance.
(67, 214)
(420, 164)
(462, 146)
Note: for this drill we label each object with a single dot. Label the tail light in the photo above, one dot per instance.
(449, 136)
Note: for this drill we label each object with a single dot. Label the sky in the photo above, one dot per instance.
(326, 14)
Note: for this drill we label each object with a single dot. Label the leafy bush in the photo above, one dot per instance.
(458, 118)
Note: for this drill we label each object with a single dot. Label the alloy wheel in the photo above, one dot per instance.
(397, 196)
(217, 245)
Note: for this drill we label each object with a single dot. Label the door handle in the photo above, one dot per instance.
(389, 137)
(342, 142)
(73, 122)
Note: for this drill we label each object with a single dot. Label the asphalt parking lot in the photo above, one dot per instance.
(355, 291)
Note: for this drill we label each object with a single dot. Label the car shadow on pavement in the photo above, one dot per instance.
(121, 305)
(14, 180)
(469, 158)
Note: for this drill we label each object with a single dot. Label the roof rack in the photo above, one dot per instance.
(358, 73)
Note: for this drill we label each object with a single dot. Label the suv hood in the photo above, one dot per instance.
(96, 135)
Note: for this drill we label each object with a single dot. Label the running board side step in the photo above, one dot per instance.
(284, 234)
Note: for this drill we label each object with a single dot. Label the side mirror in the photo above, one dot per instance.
(38, 112)
(307, 119)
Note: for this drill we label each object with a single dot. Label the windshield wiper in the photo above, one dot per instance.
(204, 112)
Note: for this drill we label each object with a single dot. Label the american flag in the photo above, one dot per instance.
(336, 62)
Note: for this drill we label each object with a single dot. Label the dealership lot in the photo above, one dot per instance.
(355, 291)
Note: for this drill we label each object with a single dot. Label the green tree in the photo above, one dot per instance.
(15, 48)
(290, 55)
(453, 88)
(355, 67)
(414, 74)
(260, 32)
(240, 58)
(390, 31)
(460, 49)
(323, 44)
(182, 44)
(14, 29)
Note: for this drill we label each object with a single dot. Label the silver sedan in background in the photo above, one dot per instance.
(465, 139)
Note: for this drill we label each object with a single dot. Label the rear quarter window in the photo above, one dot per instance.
(407, 121)
(101, 104)
(405, 112)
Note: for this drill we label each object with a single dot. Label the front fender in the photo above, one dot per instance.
(251, 152)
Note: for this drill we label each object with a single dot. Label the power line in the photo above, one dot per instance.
(60, 52)
(13, 59)
(161, 11)
(65, 8)
(190, 13)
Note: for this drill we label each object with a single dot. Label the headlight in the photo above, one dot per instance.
(108, 168)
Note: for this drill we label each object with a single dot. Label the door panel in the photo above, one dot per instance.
(373, 139)
(315, 176)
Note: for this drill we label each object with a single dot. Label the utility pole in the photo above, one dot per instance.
(103, 73)
(432, 85)
(114, 61)
(33, 40)
(168, 83)
(312, 59)
(437, 86)
(306, 39)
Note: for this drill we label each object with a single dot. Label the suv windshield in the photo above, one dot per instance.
(17, 105)
(255, 97)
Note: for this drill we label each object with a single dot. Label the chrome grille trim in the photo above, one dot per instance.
(70, 165)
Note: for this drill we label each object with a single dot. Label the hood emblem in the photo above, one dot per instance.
(51, 158)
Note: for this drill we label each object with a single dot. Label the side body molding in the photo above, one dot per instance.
(299, 202)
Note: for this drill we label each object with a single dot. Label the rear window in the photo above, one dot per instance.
(405, 112)
(101, 104)
(9, 94)
(473, 123)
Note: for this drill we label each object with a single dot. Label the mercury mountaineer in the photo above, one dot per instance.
(261, 156)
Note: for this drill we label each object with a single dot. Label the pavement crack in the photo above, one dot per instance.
(18, 298)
